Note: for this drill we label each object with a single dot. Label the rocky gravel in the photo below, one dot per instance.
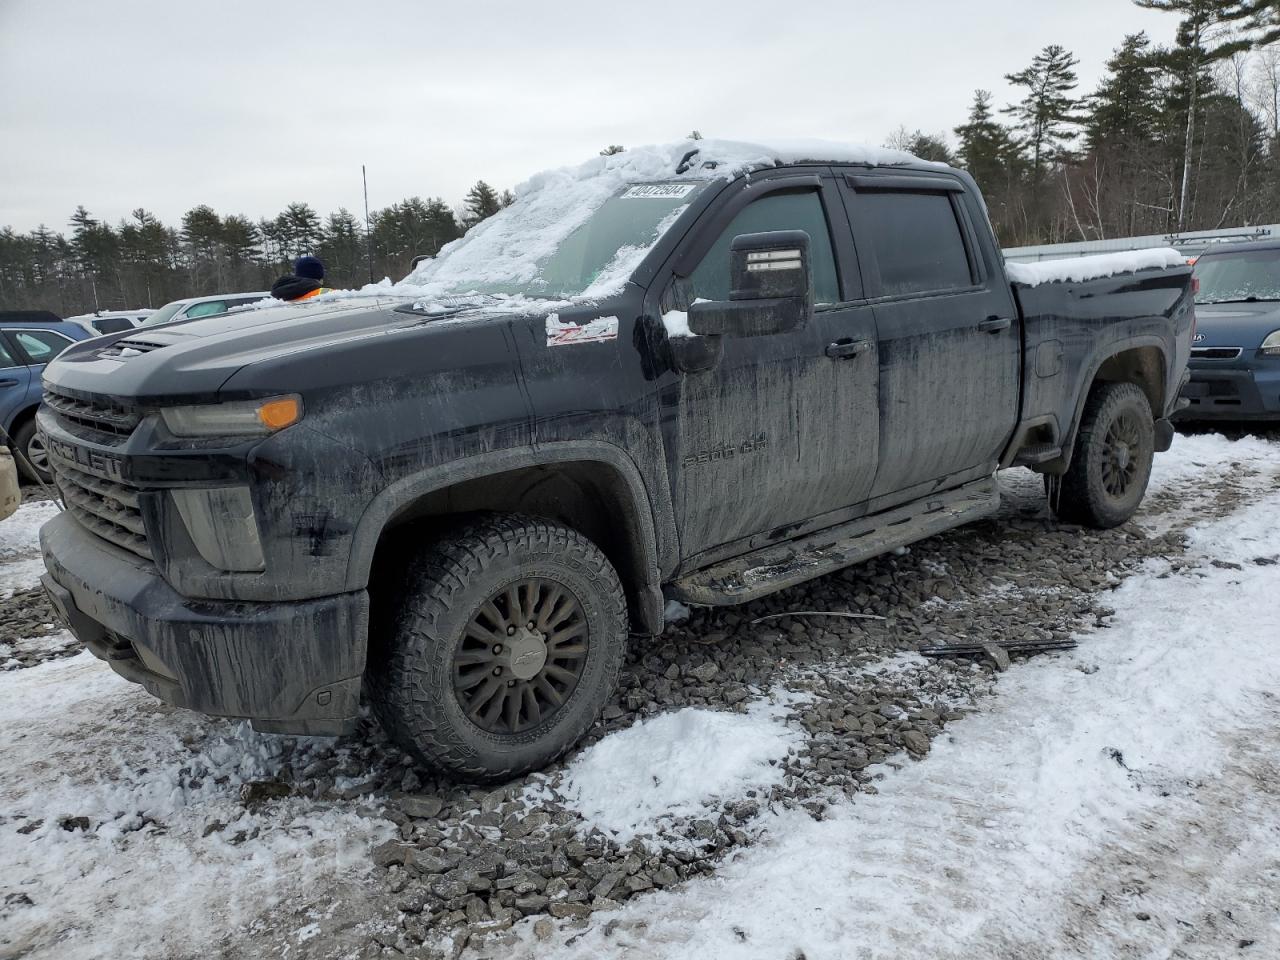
(471, 862)
(467, 863)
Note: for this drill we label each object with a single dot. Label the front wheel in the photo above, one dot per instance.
(1111, 464)
(507, 645)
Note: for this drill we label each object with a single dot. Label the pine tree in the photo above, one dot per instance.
(1204, 37)
(1124, 109)
(482, 202)
(986, 150)
(990, 154)
(1046, 114)
(926, 146)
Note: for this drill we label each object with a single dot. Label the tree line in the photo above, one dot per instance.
(1178, 137)
(143, 262)
(1174, 138)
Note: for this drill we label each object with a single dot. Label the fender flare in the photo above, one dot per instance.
(1103, 355)
(655, 521)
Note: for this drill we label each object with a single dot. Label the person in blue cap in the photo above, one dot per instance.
(306, 281)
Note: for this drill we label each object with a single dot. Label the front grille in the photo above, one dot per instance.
(105, 507)
(1215, 353)
(95, 419)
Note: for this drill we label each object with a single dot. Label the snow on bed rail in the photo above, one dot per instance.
(1079, 269)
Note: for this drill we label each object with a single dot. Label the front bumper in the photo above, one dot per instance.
(1244, 390)
(290, 667)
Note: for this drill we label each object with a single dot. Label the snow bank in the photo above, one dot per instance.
(1087, 812)
(674, 765)
(20, 563)
(167, 857)
(1078, 269)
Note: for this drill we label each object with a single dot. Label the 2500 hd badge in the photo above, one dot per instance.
(727, 452)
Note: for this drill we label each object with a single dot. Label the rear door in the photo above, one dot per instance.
(781, 428)
(15, 380)
(947, 326)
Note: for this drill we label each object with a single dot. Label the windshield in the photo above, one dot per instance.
(1235, 277)
(163, 315)
(559, 244)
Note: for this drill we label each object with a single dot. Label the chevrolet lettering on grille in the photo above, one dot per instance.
(99, 463)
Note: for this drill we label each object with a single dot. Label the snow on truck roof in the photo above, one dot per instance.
(511, 249)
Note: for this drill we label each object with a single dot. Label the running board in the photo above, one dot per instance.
(754, 575)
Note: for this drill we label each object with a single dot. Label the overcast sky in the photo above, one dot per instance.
(247, 106)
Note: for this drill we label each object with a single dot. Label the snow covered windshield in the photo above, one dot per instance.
(559, 244)
(1239, 277)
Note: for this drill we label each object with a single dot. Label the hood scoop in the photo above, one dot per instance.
(124, 349)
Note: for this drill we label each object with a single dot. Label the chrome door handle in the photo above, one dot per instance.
(995, 324)
(842, 349)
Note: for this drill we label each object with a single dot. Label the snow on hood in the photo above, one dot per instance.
(1079, 269)
(508, 247)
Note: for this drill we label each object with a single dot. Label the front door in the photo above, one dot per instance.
(782, 428)
(949, 336)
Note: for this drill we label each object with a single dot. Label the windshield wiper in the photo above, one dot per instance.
(448, 306)
(1243, 300)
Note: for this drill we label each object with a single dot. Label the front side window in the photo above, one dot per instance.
(41, 345)
(775, 211)
(917, 241)
(6, 358)
(210, 309)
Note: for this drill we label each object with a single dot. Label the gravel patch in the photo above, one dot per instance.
(466, 863)
(469, 863)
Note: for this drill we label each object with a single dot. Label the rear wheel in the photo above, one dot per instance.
(31, 454)
(506, 647)
(1111, 464)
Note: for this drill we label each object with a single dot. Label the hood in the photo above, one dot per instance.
(192, 359)
(1235, 324)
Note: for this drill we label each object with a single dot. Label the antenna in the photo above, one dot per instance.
(368, 230)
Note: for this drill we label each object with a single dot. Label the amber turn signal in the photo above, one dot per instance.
(278, 414)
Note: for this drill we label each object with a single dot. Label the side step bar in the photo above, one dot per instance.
(775, 567)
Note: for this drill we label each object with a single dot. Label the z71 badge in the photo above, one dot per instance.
(727, 452)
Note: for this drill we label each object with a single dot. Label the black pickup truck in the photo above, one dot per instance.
(700, 372)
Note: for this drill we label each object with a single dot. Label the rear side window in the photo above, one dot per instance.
(41, 345)
(775, 211)
(916, 239)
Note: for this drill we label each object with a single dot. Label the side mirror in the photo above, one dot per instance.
(771, 292)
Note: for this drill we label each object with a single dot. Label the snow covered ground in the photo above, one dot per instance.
(1121, 800)
(1107, 804)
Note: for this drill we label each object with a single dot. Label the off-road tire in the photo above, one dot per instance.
(411, 673)
(1116, 428)
(23, 438)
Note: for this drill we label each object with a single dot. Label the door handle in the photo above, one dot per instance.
(847, 348)
(995, 324)
(8, 383)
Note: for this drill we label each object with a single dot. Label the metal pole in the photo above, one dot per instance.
(368, 230)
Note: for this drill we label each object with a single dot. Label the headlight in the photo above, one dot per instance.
(1271, 345)
(241, 418)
